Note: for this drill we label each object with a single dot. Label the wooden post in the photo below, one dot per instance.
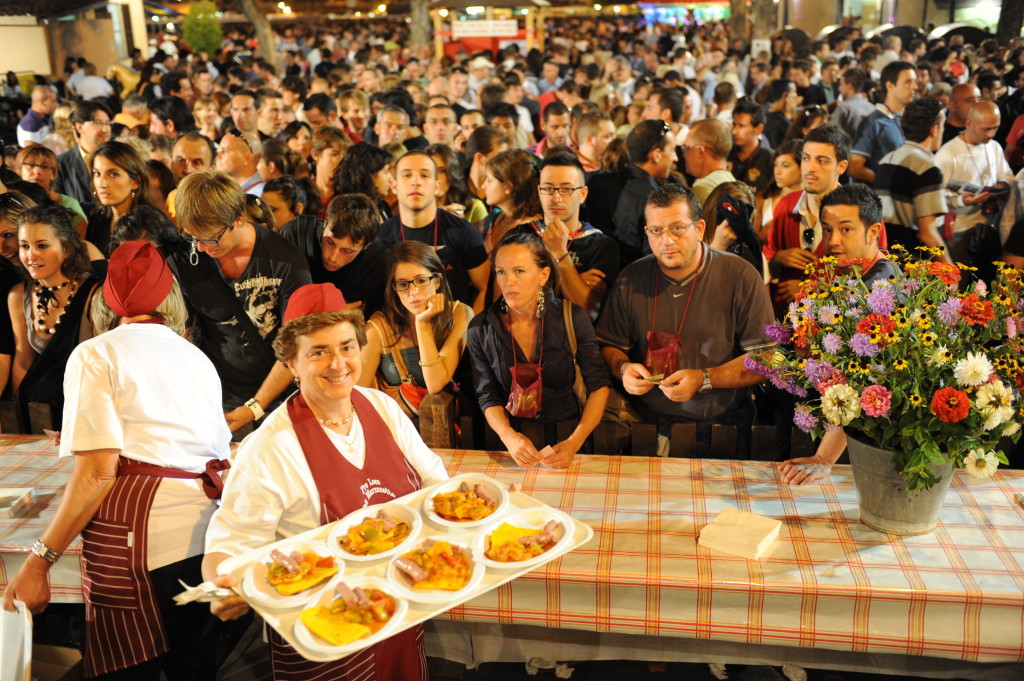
(438, 39)
(541, 14)
(437, 420)
(530, 29)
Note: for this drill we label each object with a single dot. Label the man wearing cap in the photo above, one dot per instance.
(480, 69)
(142, 424)
(237, 278)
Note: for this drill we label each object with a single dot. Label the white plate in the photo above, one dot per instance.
(495, 489)
(405, 589)
(399, 511)
(326, 597)
(533, 518)
(256, 586)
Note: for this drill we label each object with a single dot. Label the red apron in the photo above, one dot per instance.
(343, 488)
(124, 627)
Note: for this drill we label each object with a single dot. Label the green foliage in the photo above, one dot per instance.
(201, 28)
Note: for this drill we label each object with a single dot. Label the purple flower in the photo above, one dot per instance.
(1011, 327)
(816, 371)
(850, 283)
(949, 311)
(751, 364)
(826, 313)
(777, 334)
(862, 345)
(855, 312)
(831, 428)
(832, 343)
(804, 419)
(882, 300)
(981, 288)
(910, 285)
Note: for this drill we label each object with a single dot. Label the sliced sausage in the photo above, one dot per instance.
(289, 563)
(412, 569)
(483, 494)
(346, 594)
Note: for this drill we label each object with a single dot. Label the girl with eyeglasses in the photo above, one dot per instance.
(415, 344)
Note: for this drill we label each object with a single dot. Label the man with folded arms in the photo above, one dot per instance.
(679, 323)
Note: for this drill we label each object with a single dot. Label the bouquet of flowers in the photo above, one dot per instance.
(910, 364)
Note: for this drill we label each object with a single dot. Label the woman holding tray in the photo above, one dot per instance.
(309, 465)
(144, 481)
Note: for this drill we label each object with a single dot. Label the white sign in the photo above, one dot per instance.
(759, 46)
(485, 28)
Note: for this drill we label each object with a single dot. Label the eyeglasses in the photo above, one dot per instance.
(26, 164)
(561, 191)
(809, 236)
(674, 231)
(209, 243)
(402, 285)
(686, 148)
(8, 199)
(665, 128)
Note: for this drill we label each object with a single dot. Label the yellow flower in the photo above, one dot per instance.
(892, 337)
(928, 338)
(853, 366)
(924, 321)
(900, 365)
(915, 399)
(875, 337)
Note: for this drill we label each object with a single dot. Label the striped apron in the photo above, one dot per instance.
(123, 623)
(386, 475)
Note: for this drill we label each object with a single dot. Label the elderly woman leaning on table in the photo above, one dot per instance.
(523, 364)
(414, 345)
(309, 464)
(139, 457)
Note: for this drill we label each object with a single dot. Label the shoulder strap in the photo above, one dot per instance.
(384, 331)
(570, 331)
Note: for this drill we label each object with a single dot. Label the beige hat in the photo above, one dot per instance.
(480, 62)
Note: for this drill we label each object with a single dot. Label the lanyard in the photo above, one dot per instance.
(436, 215)
(686, 310)
(540, 343)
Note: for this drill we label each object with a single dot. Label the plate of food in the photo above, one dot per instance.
(354, 614)
(522, 538)
(465, 502)
(375, 532)
(436, 570)
(284, 577)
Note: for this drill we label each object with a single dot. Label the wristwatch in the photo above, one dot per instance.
(45, 552)
(257, 410)
(706, 385)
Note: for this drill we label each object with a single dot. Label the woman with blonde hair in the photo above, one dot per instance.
(207, 116)
(63, 136)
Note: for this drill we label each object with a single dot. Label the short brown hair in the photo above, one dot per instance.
(714, 136)
(208, 201)
(286, 342)
(329, 137)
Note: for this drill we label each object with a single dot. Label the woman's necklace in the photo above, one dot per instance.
(46, 296)
(335, 423)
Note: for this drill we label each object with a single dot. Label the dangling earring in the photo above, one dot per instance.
(502, 305)
(295, 379)
(540, 305)
(133, 195)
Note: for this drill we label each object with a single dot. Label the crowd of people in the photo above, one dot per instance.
(527, 232)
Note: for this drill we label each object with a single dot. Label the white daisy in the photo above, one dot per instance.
(973, 370)
(981, 464)
(1010, 429)
(840, 404)
(939, 356)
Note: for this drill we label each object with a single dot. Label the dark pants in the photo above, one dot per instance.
(742, 418)
(192, 631)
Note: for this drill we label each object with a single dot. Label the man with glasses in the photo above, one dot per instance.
(237, 278)
(91, 122)
(587, 259)
(679, 323)
(342, 250)
(238, 156)
(458, 243)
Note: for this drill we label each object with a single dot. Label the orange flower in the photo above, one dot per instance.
(951, 405)
(867, 325)
(948, 274)
(975, 311)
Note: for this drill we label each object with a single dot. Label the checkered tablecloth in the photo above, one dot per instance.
(828, 582)
(27, 461)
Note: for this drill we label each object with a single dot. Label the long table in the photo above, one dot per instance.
(830, 593)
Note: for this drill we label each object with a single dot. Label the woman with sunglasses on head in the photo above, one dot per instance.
(50, 311)
(290, 198)
(120, 182)
(415, 344)
(806, 119)
(524, 363)
(38, 164)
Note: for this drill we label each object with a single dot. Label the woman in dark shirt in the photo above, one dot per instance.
(529, 318)
(120, 182)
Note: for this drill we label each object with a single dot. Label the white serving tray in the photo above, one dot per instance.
(283, 620)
